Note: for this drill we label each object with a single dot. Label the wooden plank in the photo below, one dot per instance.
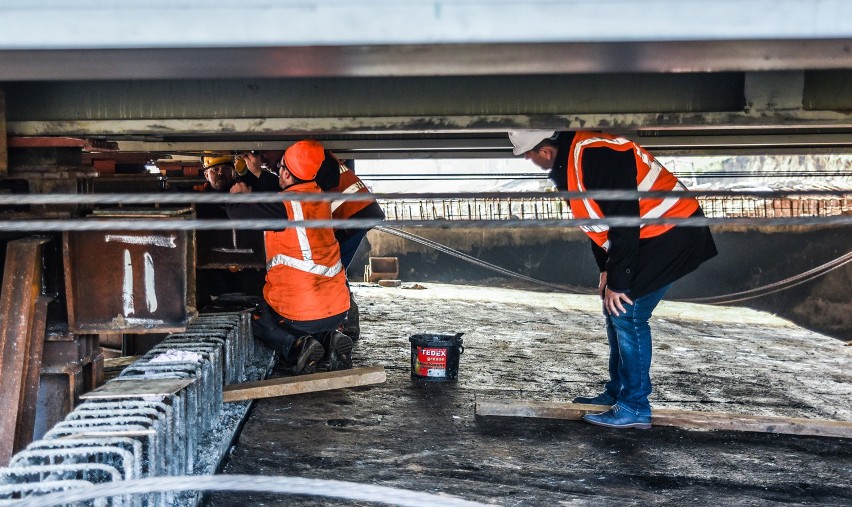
(676, 418)
(21, 288)
(286, 386)
(29, 394)
(119, 362)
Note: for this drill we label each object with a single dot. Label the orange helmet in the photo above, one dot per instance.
(304, 159)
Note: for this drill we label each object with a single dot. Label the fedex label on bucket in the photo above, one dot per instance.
(431, 362)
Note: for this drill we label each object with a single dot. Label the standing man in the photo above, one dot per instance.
(336, 177)
(637, 264)
(305, 295)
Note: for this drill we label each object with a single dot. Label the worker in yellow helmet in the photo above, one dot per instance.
(222, 171)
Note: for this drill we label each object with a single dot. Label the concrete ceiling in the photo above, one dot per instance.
(380, 79)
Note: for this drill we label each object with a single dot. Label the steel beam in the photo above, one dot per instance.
(418, 37)
(22, 278)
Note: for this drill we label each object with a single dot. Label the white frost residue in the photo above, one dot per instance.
(177, 356)
(164, 241)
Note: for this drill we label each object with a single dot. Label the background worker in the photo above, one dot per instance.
(637, 264)
(222, 171)
(336, 177)
(305, 296)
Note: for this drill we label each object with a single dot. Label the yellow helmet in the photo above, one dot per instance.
(209, 161)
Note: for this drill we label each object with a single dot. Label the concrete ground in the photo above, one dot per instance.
(542, 346)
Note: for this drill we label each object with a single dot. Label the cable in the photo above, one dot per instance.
(257, 197)
(473, 260)
(248, 483)
(712, 300)
(18, 224)
(772, 288)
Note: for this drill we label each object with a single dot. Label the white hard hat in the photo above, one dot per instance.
(525, 140)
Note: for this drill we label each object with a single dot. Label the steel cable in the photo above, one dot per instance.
(712, 300)
(473, 260)
(257, 197)
(176, 224)
(249, 483)
(772, 288)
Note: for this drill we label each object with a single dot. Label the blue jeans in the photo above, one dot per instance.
(630, 353)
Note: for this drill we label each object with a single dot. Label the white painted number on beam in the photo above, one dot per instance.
(127, 288)
(150, 291)
(149, 277)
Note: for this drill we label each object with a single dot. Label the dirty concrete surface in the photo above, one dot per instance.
(528, 345)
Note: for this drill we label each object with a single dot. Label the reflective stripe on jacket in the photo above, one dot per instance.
(650, 176)
(349, 184)
(305, 279)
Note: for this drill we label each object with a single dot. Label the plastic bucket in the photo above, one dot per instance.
(435, 357)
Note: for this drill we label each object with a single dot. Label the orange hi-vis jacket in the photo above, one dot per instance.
(349, 184)
(650, 176)
(305, 279)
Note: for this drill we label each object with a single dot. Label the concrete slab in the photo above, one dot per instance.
(542, 346)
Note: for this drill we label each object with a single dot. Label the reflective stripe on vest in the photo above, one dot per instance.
(349, 183)
(306, 263)
(650, 174)
(351, 189)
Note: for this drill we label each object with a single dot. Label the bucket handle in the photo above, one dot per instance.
(461, 347)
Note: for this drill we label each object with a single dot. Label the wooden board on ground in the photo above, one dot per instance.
(677, 418)
(119, 362)
(286, 386)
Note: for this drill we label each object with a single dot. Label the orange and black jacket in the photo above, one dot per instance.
(635, 263)
(305, 279)
(335, 177)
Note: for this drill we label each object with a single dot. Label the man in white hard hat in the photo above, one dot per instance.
(637, 264)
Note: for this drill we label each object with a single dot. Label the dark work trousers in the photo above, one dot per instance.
(279, 333)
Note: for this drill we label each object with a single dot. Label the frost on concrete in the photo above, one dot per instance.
(553, 347)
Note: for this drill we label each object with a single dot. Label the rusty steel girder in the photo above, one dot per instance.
(130, 281)
(22, 314)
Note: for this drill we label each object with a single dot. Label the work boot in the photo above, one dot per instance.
(351, 326)
(617, 417)
(306, 353)
(338, 350)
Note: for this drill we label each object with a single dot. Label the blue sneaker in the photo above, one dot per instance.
(602, 399)
(617, 417)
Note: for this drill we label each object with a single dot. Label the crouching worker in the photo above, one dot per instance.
(305, 295)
